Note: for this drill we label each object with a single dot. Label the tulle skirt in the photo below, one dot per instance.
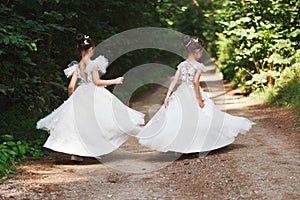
(91, 122)
(186, 128)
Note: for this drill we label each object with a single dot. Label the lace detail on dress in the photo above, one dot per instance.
(72, 67)
(188, 70)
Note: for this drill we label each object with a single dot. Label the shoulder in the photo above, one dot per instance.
(182, 64)
(101, 60)
(200, 66)
(100, 63)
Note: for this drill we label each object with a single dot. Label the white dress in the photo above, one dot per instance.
(92, 121)
(185, 127)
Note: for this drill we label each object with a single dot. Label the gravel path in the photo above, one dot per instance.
(264, 164)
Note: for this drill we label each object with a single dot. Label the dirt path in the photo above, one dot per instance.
(264, 164)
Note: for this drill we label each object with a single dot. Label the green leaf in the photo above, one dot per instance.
(56, 15)
(276, 59)
(57, 27)
(22, 149)
(11, 152)
(11, 143)
(256, 48)
(5, 40)
(6, 137)
(251, 33)
(244, 19)
(295, 33)
(3, 89)
(282, 44)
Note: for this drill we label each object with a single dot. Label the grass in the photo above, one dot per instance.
(285, 92)
(288, 95)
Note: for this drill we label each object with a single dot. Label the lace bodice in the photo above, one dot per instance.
(188, 70)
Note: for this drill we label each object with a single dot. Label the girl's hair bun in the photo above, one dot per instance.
(79, 38)
(84, 42)
(192, 43)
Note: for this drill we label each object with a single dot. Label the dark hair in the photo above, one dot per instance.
(192, 43)
(84, 42)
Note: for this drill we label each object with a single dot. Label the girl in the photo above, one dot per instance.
(92, 121)
(189, 121)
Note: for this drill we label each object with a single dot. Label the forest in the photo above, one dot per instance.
(254, 43)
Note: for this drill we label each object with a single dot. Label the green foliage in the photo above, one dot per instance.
(259, 38)
(23, 44)
(191, 17)
(285, 92)
(27, 86)
(13, 152)
(18, 139)
(21, 126)
(225, 53)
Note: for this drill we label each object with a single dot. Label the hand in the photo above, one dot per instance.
(119, 80)
(201, 103)
(166, 102)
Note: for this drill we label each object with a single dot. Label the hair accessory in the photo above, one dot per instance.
(86, 42)
(188, 43)
(195, 40)
(86, 37)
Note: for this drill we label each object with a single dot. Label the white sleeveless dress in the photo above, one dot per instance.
(185, 127)
(92, 121)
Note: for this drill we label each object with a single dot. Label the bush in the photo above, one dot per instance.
(255, 45)
(14, 152)
(288, 91)
(285, 92)
(18, 139)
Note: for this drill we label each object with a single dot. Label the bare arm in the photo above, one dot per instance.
(97, 81)
(72, 83)
(197, 89)
(171, 87)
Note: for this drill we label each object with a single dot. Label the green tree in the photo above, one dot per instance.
(258, 41)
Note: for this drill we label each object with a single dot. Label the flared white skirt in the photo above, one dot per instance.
(186, 128)
(91, 122)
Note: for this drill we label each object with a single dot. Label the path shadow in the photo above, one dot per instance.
(227, 149)
(64, 159)
(86, 161)
(223, 150)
